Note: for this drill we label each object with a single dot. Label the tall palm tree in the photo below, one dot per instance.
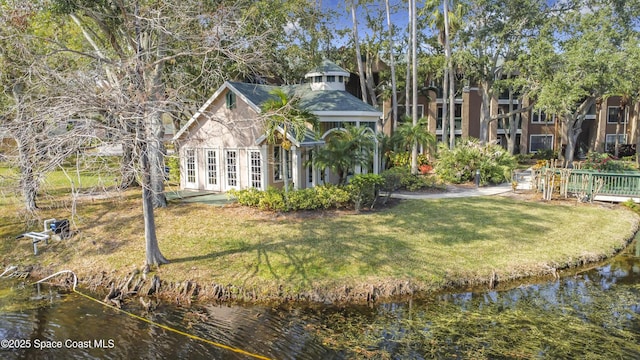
(283, 117)
(356, 41)
(414, 81)
(392, 64)
(345, 150)
(447, 22)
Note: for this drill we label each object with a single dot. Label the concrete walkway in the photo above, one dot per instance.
(452, 191)
(199, 196)
(456, 192)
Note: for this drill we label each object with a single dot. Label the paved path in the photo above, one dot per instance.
(457, 192)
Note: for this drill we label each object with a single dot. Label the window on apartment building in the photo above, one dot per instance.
(610, 141)
(540, 142)
(540, 117)
(612, 115)
(402, 112)
(458, 117)
(230, 99)
(504, 95)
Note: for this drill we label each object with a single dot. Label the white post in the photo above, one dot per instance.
(264, 166)
(295, 164)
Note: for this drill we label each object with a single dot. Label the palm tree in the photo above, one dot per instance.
(414, 81)
(392, 64)
(447, 22)
(345, 150)
(284, 118)
(412, 136)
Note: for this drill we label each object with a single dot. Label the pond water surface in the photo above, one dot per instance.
(589, 314)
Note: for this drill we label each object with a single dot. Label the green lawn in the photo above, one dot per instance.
(427, 243)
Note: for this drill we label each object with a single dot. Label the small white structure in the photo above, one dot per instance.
(223, 145)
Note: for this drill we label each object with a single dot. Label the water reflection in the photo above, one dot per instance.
(587, 314)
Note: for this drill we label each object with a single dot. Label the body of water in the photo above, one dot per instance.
(588, 314)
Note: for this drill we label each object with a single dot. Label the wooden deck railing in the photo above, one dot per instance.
(588, 183)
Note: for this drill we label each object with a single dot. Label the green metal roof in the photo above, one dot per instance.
(314, 101)
(331, 100)
(328, 66)
(256, 93)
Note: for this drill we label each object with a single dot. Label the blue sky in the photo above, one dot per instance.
(399, 18)
(345, 21)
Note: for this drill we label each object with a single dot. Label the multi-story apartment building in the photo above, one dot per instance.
(537, 131)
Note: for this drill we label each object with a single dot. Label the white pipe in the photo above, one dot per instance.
(46, 224)
(9, 268)
(75, 278)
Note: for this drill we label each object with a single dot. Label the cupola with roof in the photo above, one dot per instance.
(327, 76)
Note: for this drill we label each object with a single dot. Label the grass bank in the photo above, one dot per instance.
(236, 252)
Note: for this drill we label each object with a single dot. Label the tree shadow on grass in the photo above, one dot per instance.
(323, 250)
(468, 220)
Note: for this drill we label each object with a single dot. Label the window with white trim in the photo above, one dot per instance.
(612, 115)
(190, 164)
(458, 117)
(255, 169)
(401, 110)
(278, 171)
(212, 167)
(232, 168)
(540, 142)
(610, 141)
(540, 117)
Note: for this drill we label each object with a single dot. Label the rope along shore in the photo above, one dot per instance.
(165, 327)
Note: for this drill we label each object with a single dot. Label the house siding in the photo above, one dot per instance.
(223, 130)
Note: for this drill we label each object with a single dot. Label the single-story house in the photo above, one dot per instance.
(223, 146)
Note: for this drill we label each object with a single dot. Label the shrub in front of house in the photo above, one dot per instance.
(421, 182)
(364, 189)
(248, 197)
(459, 165)
(393, 178)
(332, 196)
(303, 199)
(273, 199)
(401, 178)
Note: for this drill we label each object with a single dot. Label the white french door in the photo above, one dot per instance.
(191, 169)
(232, 180)
(213, 170)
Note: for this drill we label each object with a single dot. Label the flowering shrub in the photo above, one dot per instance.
(425, 169)
(605, 162)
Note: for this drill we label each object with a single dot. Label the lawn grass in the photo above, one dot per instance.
(429, 244)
